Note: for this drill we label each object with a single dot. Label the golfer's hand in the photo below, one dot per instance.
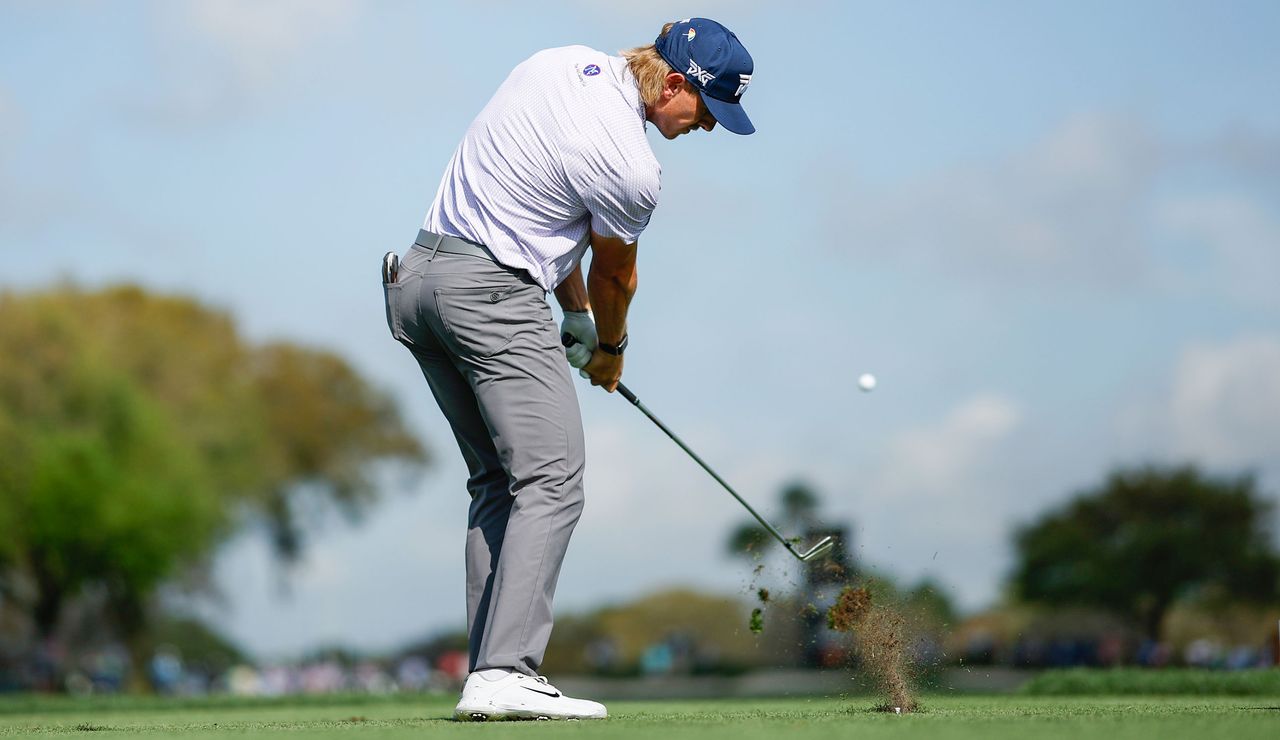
(580, 326)
(604, 370)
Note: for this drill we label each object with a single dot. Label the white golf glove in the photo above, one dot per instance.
(581, 326)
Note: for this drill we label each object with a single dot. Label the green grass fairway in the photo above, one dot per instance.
(1076, 718)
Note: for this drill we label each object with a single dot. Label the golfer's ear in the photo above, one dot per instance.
(672, 85)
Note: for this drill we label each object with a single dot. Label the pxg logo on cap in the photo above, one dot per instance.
(715, 62)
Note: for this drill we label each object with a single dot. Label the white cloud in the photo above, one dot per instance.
(219, 57)
(259, 35)
(651, 15)
(934, 458)
(1099, 200)
(941, 500)
(8, 143)
(1246, 149)
(1240, 237)
(1224, 408)
(27, 204)
(1218, 405)
(1071, 205)
(10, 120)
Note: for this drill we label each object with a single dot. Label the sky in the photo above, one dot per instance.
(1052, 231)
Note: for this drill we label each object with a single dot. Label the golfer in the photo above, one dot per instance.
(557, 163)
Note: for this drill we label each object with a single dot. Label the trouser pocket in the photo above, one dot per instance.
(391, 298)
(480, 321)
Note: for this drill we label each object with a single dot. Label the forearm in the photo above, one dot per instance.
(610, 295)
(571, 293)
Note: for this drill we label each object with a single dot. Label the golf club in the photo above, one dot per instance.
(819, 548)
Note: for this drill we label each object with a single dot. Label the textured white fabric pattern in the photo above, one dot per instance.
(559, 150)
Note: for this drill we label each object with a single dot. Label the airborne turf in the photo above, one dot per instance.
(941, 716)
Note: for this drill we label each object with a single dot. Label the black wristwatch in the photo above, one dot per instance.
(614, 349)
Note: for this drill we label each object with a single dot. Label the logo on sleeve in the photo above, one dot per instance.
(700, 74)
(591, 70)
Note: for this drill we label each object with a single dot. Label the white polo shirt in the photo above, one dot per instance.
(559, 151)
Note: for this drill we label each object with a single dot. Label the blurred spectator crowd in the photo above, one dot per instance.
(105, 670)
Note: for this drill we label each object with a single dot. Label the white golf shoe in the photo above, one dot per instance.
(497, 694)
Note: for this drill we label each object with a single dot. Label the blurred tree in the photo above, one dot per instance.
(11, 448)
(110, 496)
(799, 504)
(1147, 538)
(197, 644)
(748, 538)
(928, 599)
(137, 430)
(713, 626)
(325, 424)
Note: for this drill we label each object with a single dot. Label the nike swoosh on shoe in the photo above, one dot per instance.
(553, 692)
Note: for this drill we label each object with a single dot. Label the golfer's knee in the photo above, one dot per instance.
(488, 483)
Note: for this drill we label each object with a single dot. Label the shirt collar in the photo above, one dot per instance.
(630, 87)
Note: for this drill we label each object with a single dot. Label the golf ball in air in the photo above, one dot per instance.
(866, 381)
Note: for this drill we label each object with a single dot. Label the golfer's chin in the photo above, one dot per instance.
(669, 135)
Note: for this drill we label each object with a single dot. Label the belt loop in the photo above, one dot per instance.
(422, 242)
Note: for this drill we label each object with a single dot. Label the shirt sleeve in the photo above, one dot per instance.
(620, 200)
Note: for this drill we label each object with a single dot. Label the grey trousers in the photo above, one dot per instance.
(485, 339)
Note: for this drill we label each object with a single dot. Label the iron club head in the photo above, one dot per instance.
(819, 548)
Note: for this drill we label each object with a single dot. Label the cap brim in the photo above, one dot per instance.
(729, 115)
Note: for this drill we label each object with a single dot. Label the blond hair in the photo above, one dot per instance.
(649, 68)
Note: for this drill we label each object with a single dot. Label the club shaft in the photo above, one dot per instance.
(627, 394)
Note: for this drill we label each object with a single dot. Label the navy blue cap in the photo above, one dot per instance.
(715, 62)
